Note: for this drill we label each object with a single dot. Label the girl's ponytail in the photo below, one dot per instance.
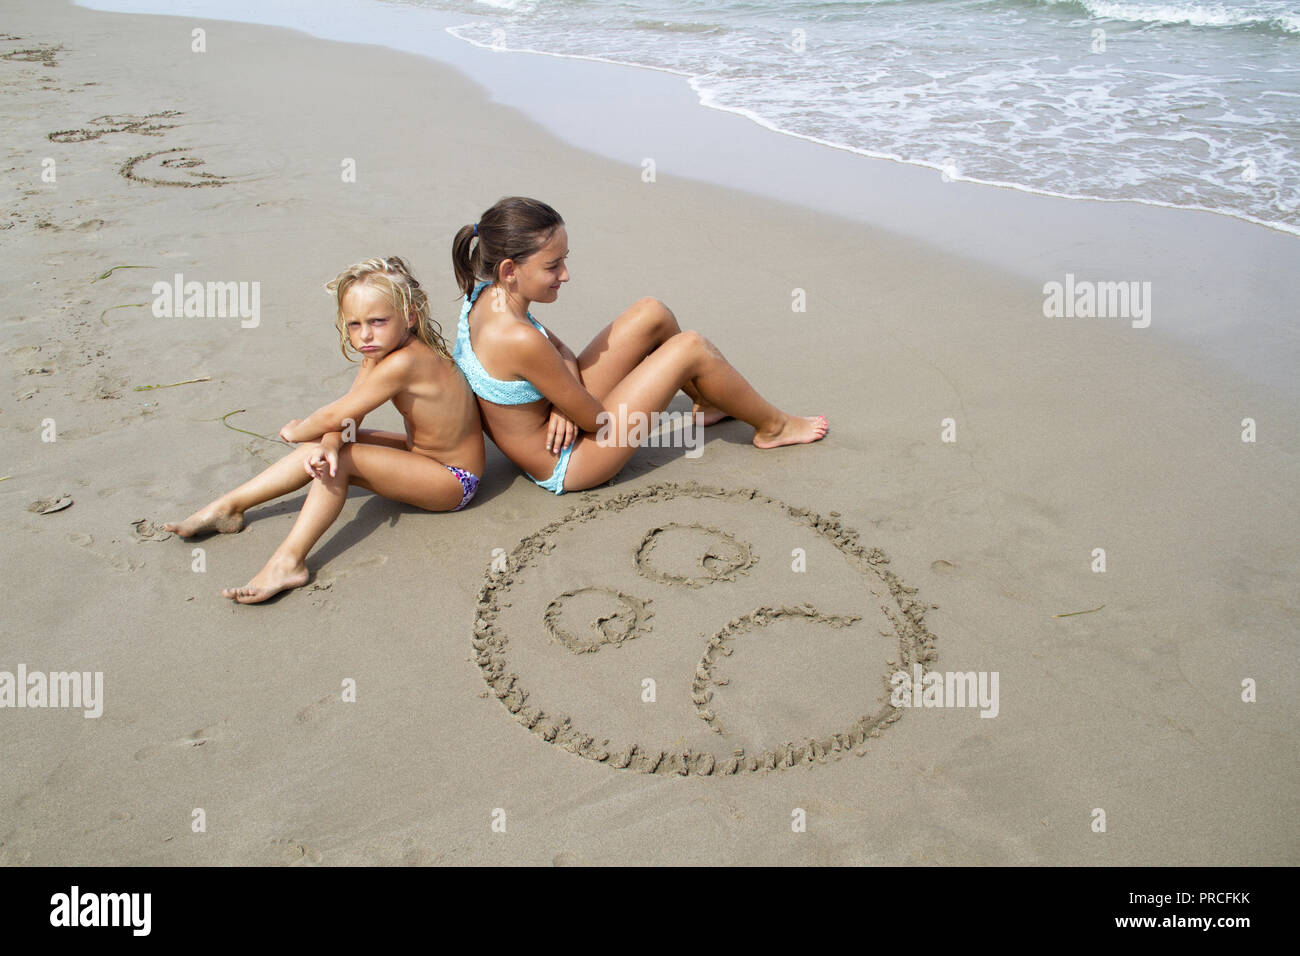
(514, 228)
(463, 261)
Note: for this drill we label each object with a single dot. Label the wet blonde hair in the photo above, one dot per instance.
(391, 276)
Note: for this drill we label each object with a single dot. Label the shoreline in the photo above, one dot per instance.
(581, 137)
(1069, 437)
(946, 174)
(630, 113)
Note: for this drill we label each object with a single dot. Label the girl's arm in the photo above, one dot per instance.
(566, 353)
(561, 432)
(535, 358)
(389, 376)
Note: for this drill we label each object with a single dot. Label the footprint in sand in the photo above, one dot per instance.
(772, 639)
(118, 562)
(146, 530)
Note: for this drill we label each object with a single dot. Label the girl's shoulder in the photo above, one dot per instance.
(426, 361)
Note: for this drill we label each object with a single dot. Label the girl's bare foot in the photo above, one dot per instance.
(280, 574)
(206, 521)
(796, 430)
(712, 414)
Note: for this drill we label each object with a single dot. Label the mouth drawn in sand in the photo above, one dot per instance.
(179, 168)
(749, 661)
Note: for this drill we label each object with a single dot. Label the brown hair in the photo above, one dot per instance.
(514, 228)
(391, 276)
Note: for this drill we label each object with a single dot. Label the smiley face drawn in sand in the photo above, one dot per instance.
(766, 632)
(179, 166)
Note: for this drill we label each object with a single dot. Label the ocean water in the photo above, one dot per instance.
(1180, 103)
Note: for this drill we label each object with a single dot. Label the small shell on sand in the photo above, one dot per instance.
(47, 506)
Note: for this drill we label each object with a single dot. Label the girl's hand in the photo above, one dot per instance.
(287, 431)
(560, 433)
(322, 462)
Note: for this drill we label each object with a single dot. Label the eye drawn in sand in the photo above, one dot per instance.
(628, 617)
(43, 54)
(721, 556)
(757, 662)
(117, 123)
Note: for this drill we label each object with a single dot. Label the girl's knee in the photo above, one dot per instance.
(346, 467)
(693, 342)
(652, 313)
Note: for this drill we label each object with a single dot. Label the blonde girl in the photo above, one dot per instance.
(382, 314)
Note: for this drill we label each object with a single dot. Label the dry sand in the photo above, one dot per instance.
(479, 688)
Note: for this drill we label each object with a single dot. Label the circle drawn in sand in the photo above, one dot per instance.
(629, 619)
(722, 557)
(902, 612)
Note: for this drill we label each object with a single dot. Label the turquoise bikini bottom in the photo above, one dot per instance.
(555, 483)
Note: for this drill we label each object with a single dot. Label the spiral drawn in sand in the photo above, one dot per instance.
(179, 168)
(507, 636)
(721, 556)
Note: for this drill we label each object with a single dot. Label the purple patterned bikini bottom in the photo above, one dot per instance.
(468, 481)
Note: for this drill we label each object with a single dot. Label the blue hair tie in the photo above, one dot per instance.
(476, 229)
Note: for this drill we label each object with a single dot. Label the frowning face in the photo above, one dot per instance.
(374, 327)
(693, 629)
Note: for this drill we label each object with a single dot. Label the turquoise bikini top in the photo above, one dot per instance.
(486, 387)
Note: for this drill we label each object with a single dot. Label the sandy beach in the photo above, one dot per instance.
(474, 688)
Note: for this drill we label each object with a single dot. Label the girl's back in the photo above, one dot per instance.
(440, 411)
